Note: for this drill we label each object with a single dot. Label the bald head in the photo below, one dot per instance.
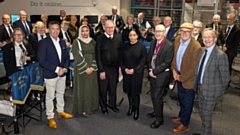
(167, 21)
(6, 19)
(23, 15)
(140, 16)
(216, 19)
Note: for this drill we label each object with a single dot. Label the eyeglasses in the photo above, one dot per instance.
(197, 27)
(187, 31)
(18, 35)
(109, 27)
(207, 37)
(159, 31)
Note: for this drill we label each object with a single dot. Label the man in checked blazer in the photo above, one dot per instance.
(212, 80)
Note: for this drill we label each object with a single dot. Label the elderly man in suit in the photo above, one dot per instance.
(142, 22)
(231, 39)
(212, 78)
(117, 19)
(169, 30)
(197, 31)
(54, 59)
(187, 52)
(24, 24)
(217, 26)
(159, 62)
(6, 30)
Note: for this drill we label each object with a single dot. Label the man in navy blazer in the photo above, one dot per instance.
(54, 59)
(24, 24)
(169, 30)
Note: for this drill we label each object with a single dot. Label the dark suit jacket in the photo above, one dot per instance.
(216, 75)
(48, 57)
(199, 39)
(232, 41)
(163, 61)
(69, 33)
(119, 21)
(170, 34)
(33, 41)
(4, 34)
(219, 32)
(19, 24)
(9, 58)
(99, 30)
(189, 63)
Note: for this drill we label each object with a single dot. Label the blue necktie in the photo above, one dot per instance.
(201, 68)
(10, 31)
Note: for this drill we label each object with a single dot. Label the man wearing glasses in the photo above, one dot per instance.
(196, 33)
(212, 79)
(187, 52)
(107, 55)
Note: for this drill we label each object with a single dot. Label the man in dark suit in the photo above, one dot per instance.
(159, 63)
(117, 19)
(107, 56)
(196, 33)
(54, 59)
(169, 30)
(61, 17)
(187, 52)
(231, 36)
(65, 34)
(24, 24)
(212, 78)
(6, 30)
(217, 26)
(44, 19)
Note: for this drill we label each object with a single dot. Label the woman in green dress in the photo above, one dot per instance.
(85, 98)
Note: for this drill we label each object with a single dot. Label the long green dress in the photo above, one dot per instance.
(85, 98)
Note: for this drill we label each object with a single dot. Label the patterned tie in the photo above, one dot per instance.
(68, 38)
(10, 31)
(28, 31)
(201, 68)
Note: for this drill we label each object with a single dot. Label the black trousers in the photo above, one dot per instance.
(134, 101)
(109, 84)
(157, 98)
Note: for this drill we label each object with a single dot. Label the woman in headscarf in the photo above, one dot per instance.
(85, 98)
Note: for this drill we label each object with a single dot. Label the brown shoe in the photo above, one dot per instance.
(176, 119)
(64, 115)
(180, 128)
(52, 123)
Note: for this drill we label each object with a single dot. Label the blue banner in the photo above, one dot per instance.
(20, 86)
(36, 76)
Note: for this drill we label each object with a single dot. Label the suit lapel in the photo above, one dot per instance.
(53, 48)
(212, 55)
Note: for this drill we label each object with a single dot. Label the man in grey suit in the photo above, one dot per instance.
(212, 78)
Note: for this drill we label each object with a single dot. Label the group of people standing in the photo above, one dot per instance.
(100, 59)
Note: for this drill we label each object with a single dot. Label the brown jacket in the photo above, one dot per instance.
(189, 62)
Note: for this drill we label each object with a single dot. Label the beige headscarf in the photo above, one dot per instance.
(85, 40)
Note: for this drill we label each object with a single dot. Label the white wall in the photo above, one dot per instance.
(52, 7)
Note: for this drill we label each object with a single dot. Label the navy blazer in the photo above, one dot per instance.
(4, 34)
(170, 34)
(48, 57)
(19, 24)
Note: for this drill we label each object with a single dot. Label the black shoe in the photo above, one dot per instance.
(156, 124)
(136, 114)
(115, 109)
(105, 111)
(151, 114)
(130, 110)
(196, 134)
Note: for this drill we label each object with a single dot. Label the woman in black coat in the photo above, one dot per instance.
(13, 57)
(132, 62)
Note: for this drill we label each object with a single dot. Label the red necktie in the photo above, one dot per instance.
(160, 44)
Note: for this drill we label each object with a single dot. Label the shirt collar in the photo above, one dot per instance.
(54, 39)
(186, 43)
(108, 35)
(18, 44)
